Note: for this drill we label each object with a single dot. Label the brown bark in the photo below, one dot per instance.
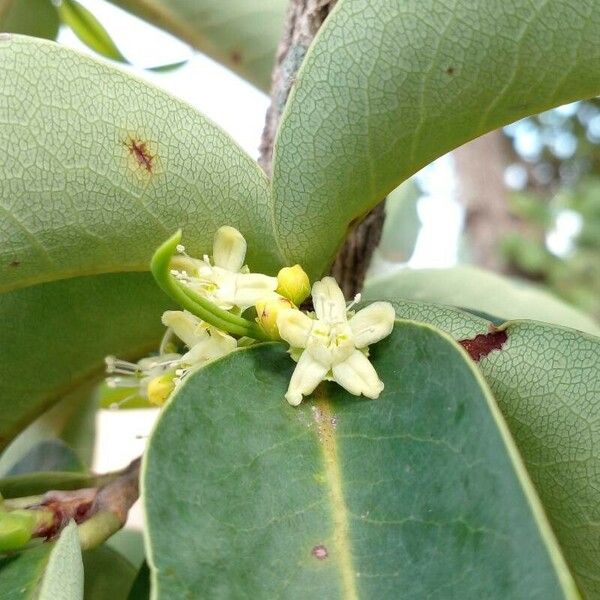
(303, 20)
(100, 511)
(480, 167)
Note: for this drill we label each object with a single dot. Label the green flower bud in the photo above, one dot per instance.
(293, 283)
(267, 311)
(16, 529)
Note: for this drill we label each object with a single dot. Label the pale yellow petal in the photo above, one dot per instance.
(306, 377)
(186, 326)
(372, 323)
(251, 287)
(294, 327)
(328, 300)
(229, 249)
(357, 375)
(214, 346)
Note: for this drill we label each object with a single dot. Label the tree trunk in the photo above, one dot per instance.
(303, 20)
(480, 167)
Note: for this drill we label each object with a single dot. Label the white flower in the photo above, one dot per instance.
(334, 346)
(139, 376)
(155, 377)
(204, 341)
(226, 283)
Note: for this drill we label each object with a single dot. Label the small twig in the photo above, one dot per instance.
(100, 511)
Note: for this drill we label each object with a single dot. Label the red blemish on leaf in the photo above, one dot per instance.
(484, 343)
(320, 552)
(139, 150)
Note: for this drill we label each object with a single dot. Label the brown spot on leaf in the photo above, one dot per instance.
(450, 71)
(320, 552)
(14, 263)
(236, 57)
(484, 343)
(139, 150)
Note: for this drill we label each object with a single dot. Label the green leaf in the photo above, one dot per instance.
(420, 493)
(34, 484)
(54, 337)
(241, 35)
(63, 579)
(68, 426)
(168, 68)
(108, 575)
(546, 380)
(140, 590)
(130, 544)
(20, 573)
(402, 224)
(37, 18)
(129, 166)
(48, 455)
(88, 29)
(126, 171)
(483, 291)
(389, 86)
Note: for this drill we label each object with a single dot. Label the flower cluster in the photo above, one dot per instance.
(219, 298)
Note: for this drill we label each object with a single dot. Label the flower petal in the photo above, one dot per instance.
(294, 327)
(186, 326)
(213, 346)
(372, 323)
(229, 249)
(251, 287)
(357, 375)
(306, 377)
(328, 300)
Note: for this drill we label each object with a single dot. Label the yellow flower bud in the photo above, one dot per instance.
(267, 311)
(293, 283)
(160, 388)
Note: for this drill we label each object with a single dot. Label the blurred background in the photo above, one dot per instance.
(522, 202)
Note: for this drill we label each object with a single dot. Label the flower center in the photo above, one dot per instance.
(330, 344)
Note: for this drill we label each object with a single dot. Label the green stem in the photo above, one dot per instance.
(98, 529)
(194, 303)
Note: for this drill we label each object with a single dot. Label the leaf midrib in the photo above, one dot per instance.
(339, 510)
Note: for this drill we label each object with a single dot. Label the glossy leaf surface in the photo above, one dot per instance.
(417, 494)
(546, 380)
